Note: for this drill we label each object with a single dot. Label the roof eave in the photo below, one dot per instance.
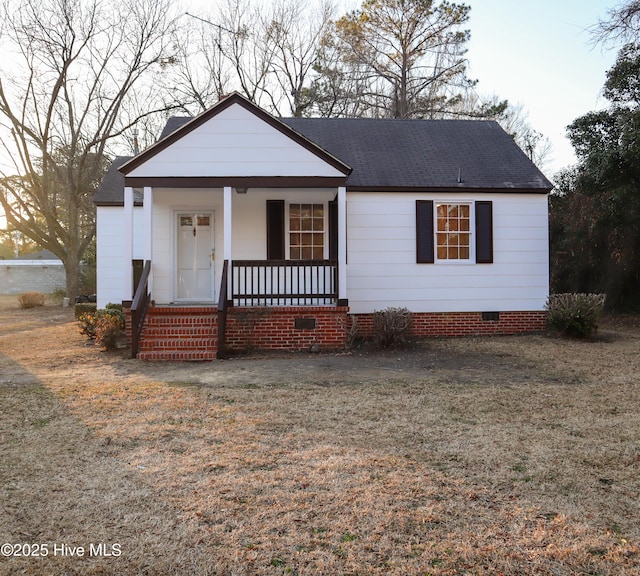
(448, 189)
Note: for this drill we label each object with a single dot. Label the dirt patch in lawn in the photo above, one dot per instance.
(512, 455)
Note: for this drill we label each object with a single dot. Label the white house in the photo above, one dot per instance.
(294, 227)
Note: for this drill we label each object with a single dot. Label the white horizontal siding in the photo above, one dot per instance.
(110, 253)
(250, 217)
(249, 220)
(381, 243)
(167, 203)
(382, 269)
(235, 142)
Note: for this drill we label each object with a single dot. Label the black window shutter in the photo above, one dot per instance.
(275, 230)
(484, 232)
(424, 231)
(333, 230)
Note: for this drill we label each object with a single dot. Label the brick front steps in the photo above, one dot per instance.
(180, 333)
(191, 333)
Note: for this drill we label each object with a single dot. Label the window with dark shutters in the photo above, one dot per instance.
(453, 235)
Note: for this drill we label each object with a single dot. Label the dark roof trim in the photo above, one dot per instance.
(222, 105)
(301, 182)
(237, 182)
(115, 203)
(445, 189)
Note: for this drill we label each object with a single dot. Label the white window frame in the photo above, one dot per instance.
(472, 232)
(325, 224)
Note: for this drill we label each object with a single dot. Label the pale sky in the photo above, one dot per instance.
(539, 54)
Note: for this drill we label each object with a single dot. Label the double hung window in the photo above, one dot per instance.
(306, 231)
(450, 231)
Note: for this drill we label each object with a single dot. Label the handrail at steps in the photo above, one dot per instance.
(222, 310)
(139, 308)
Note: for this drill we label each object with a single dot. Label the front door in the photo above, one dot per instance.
(196, 251)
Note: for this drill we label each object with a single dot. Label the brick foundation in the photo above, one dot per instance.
(191, 332)
(441, 324)
(274, 328)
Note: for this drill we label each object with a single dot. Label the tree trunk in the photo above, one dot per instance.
(72, 270)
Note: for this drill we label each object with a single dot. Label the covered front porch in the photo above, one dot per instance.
(284, 245)
(239, 210)
(189, 303)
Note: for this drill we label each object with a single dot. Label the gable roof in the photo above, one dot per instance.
(189, 124)
(378, 154)
(408, 154)
(111, 189)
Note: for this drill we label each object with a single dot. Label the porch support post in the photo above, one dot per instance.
(228, 198)
(342, 246)
(127, 291)
(147, 208)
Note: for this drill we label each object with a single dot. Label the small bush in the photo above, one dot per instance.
(575, 315)
(105, 326)
(88, 322)
(109, 328)
(84, 308)
(31, 300)
(392, 326)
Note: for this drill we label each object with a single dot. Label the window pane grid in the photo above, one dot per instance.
(306, 231)
(453, 237)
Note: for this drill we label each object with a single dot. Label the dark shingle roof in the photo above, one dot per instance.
(424, 153)
(389, 154)
(173, 124)
(111, 189)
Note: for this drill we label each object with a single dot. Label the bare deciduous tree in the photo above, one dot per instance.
(81, 77)
(621, 26)
(249, 50)
(296, 31)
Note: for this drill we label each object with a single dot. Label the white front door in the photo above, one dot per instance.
(195, 261)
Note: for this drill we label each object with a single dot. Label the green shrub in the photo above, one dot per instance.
(84, 308)
(575, 315)
(105, 326)
(31, 299)
(392, 326)
(109, 328)
(88, 322)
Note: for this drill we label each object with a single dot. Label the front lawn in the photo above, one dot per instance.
(513, 456)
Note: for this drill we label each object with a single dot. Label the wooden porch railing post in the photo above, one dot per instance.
(139, 308)
(222, 310)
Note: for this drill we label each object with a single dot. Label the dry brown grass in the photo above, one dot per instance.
(472, 456)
